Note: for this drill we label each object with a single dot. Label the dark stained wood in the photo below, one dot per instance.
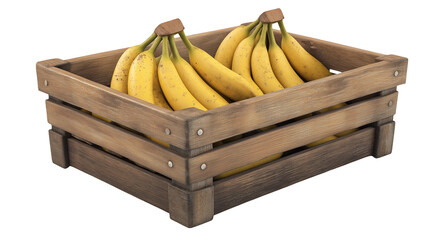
(290, 136)
(243, 187)
(251, 114)
(130, 178)
(384, 139)
(59, 151)
(139, 149)
(170, 27)
(191, 208)
(271, 16)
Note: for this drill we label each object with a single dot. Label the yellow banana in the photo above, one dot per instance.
(193, 82)
(241, 63)
(175, 91)
(261, 68)
(142, 74)
(157, 91)
(119, 80)
(304, 63)
(280, 65)
(321, 141)
(227, 47)
(221, 78)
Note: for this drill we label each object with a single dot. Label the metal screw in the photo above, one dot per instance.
(46, 83)
(390, 103)
(200, 132)
(167, 131)
(170, 164)
(203, 166)
(395, 73)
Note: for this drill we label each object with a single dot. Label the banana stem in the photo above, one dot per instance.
(155, 44)
(186, 41)
(256, 30)
(272, 41)
(252, 25)
(263, 36)
(165, 51)
(281, 26)
(174, 50)
(148, 41)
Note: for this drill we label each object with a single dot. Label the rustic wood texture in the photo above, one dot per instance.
(139, 149)
(243, 187)
(119, 107)
(132, 179)
(59, 151)
(191, 208)
(170, 27)
(384, 139)
(251, 114)
(290, 136)
(271, 16)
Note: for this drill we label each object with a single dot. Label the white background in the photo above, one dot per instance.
(382, 198)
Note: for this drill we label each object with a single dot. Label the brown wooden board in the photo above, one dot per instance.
(137, 148)
(59, 151)
(132, 179)
(290, 136)
(243, 187)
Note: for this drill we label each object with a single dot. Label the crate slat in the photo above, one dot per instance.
(288, 170)
(132, 179)
(290, 136)
(289, 103)
(140, 150)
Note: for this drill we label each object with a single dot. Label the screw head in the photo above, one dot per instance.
(396, 73)
(203, 166)
(167, 131)
(170, 164)
(46, 83)
(390, 103)
(200, 132)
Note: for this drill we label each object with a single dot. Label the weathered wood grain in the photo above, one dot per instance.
(134, 147)
(59, 151)
(290, 136)
(128, 177)
(384, 139)
(289, 103)
(243, 187)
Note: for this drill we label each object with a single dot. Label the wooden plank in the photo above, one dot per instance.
(290, 136)
(289, 103)
(127, 177)
(59, 151)
(384, 140)
(243, 187)
(129, 111)
(132, 146)
(191, 208)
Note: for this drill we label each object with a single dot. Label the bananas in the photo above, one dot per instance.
(280, 65)
(195, 84)
(261, 68)
(175, 91)
(227, 47)
(221, 78)
(304, 63)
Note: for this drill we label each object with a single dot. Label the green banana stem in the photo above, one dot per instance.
(263, 36)
(272, 41)
(155, 44)
(256, 30)
(281, 26)
(174, 50)
(148, 41)
(165, 51)
(252, 25)
(186, 41)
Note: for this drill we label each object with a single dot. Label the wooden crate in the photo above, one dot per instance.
(179, 179)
